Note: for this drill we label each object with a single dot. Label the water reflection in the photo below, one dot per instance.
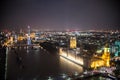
(39, 63)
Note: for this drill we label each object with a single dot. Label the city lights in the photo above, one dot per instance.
(60, 40)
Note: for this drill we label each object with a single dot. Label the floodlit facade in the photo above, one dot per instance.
(103, 60)
(73, 42)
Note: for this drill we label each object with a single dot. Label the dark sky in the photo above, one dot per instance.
(60, 14)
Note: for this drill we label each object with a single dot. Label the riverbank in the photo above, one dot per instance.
(2, 62)
(51, 47)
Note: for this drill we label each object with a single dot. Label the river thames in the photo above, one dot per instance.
(37, 64)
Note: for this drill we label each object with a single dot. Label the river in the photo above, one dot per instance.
(37, 64)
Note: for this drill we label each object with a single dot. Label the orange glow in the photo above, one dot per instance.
(73, 42)
(32, 35)
(97, 63)
(20, 38)
(104, 59)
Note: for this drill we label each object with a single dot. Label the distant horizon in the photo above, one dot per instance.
(60, 14)
(68, 30)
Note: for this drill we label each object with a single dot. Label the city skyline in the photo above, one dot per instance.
(60, 14)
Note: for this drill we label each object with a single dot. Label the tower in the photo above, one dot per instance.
(28, 38)
(73, 42)
(103, 60)
(106, 55)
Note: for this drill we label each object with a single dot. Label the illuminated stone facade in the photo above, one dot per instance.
(73, 42)
(103, 60)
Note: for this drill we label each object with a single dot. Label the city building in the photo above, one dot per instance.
(73, 42)
(104, 60)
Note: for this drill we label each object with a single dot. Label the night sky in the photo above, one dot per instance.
(60, 14)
